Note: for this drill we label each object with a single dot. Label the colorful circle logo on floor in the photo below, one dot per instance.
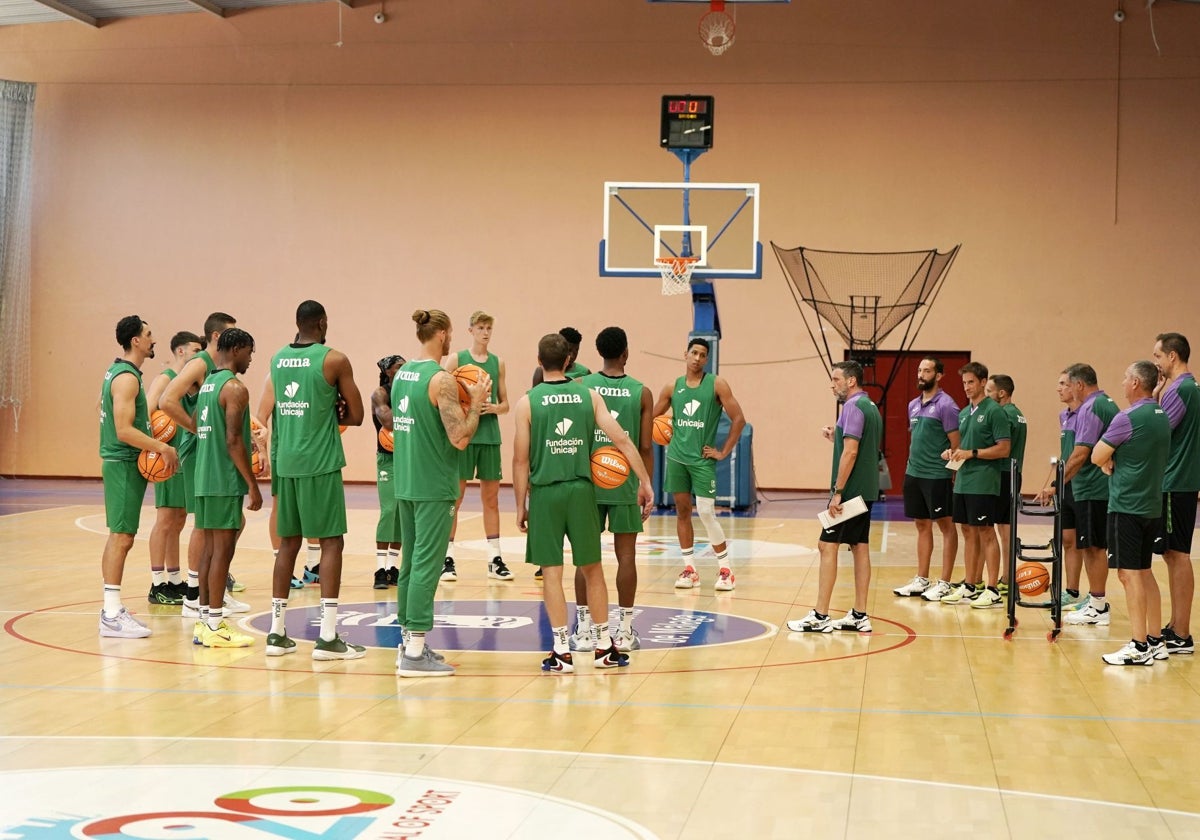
(516, 626)
(210, 802)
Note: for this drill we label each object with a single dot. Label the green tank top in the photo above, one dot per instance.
(489, 424)
(562, 426)
(622, 396)
(695, 414)
(424, 462)
(576, 371)
(186, 441)
(306, 441)
(111, 447)
(215, 472)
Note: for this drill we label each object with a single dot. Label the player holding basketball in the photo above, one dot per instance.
(856, 440)
(430, 428)
(170, 496)
(387, 529)
(313, 384)
(1133, 452)
(1180, 399)
(630, 404)
(552, 482)
(1000, 388)
(481, 458)
(223, 476)
(696, 400)
(124, 433)
(928, 488)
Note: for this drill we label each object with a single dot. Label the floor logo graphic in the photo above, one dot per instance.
(515, 626)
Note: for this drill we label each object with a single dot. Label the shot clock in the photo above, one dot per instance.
(687, 122)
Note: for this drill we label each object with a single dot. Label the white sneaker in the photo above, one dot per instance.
(625, 643)
(724, 581)
(1159, 650)
(233, 605)
(1129, 655)
(687, 579)
(581, 641)
(122, 626)
(854, 625)
(1088, 614)
(811, 623)
(914, 587)
(987, 599)
(937, 591)
(190, 609)
(961, 594)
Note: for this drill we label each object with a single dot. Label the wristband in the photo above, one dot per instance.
(975, 454)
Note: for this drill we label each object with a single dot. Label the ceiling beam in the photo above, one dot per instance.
(208, 6)
(64, 9)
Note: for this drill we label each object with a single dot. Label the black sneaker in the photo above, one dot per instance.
(449, 573)
(180, 589)
(559, 663)
(381, 581)
(611, 658)
(393, 575)
(163, 593)
(1175, 645)
(537, 575)
(498, 571)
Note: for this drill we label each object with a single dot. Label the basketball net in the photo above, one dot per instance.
(717, 29)
(676, 274)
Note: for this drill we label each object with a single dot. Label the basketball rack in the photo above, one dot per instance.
(1051, 552)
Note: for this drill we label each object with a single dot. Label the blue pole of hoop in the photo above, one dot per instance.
(706, 321)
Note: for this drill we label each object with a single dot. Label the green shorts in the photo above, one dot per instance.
(697, 479)
(219, 513)
(480, 460)
(388, 528)
(311, 506)
(171, 493)
(124, 490)
(621, 519)
(187, 466)
(564, 509)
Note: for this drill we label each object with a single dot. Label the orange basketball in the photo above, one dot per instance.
(1032, 578)
(254, 424)
(466, 375)
(152, 467)
(256, 463)
(610, 467)
(662, 429)
(387, 439)
(342, 430)
(161, 425)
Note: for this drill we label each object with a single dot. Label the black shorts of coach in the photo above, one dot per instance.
(976, 509)
(1091, 517)
(1131, 541)
(851, 532)
(928, 498)
(1178, 522)
(1004, 514)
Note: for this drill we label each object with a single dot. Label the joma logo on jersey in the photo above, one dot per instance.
(408, 375)
(207, 388)
(556, 399)
(691, 407)
(293, 363)
(290, 390)
(563, 426)
(606, 391)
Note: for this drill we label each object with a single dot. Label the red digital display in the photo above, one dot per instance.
(687, 122)
(687, 106)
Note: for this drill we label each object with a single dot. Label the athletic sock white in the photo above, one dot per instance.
(214, 618)
(601, 636)
(560, 640)
(415, 646)
(393, 557)
(688, 555)
(329, 609)
(174, 577)
(112, 600)
(494, 542)
(583, 620)
(381, 557)
(627, 621)
(313, 557)
(278, 607)
(450, 549)
(158, 577)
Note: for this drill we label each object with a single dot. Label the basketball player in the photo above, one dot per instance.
(856, 439)
(574, 370)
(928, 486)
(1000, 388)
(630, 404)
(387, 529)
(552, 481)
(481, 458)
(696, 400)
(1072, 556)
(170, 496)
(1133, 452)
(178, 401)
(1089, 486)
(314, 391)
(1180, 399)
(430, 428)
(985, 443)
(223, 476)
(124, 433)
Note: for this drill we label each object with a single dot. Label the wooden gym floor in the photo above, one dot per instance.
(932, 726)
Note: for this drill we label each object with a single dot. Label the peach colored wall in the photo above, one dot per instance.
(455, 157)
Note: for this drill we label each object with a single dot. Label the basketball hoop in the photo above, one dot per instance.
(676, 274)
(717, 28)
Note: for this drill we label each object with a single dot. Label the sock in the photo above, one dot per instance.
(313, 557)
(158, 577)
(1074, 593)
(414, 646)
(687, 555)
(173, 577)
(193, 587)
(1098, 601)
(1142, 647)
(1153, 640)
(601, 637)
(820, 616)
(112, 600)
(857, 614)
(450, 549)
(494, 542)
(723, 559)
(560, 640)
(381, 558)
(392, 557)
(278, 607)
(214, 617)
(583, 621)
(204, 613)
(970, 587)
(329, 619)
(627, 621)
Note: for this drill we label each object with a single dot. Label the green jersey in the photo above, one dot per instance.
(1181, 402)
(576, 371)
(113, 448)
(489, 424)
(306, 435)
(695, 412)
(1141, 439)
(622, 397)
(981, 426)
(1091, 420)
(930, 423)
(859, 421)
(1018, 429)
(186, 443)
(424, 462)
(215, 472)
(562, 427)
